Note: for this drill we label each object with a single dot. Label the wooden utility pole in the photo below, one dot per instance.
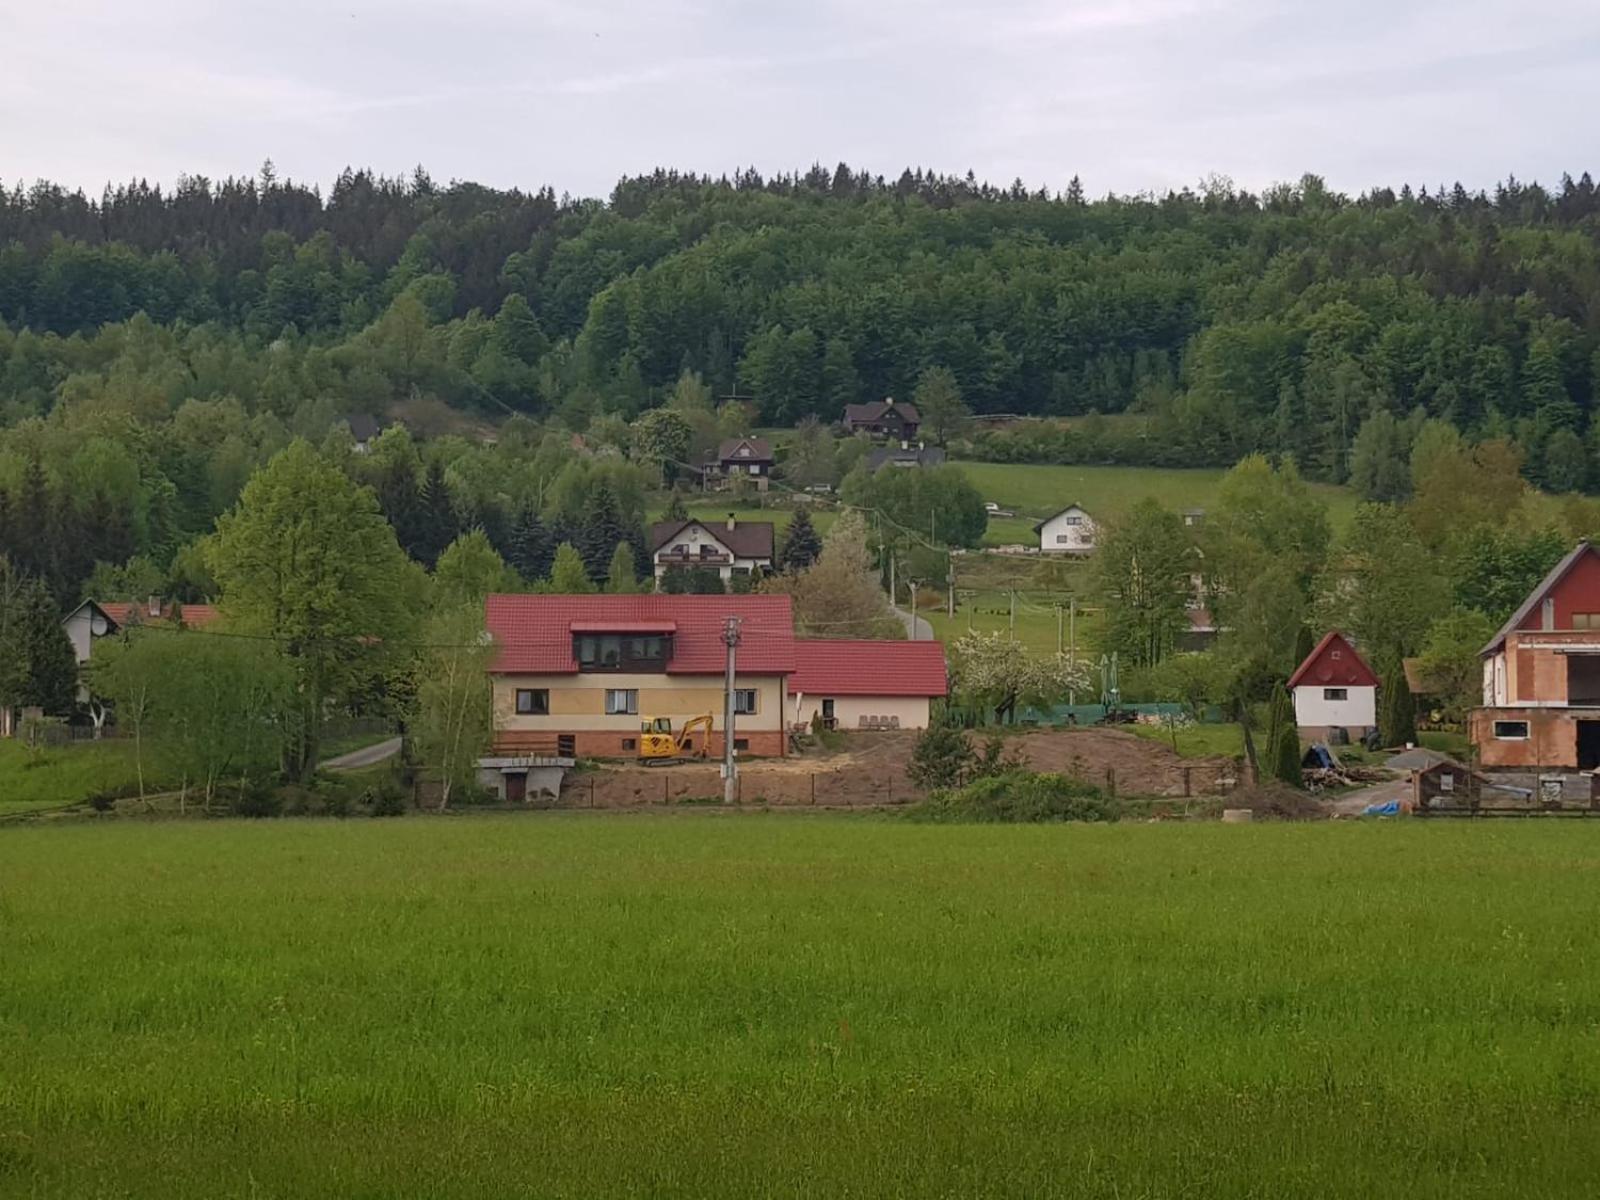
(730, 639)
(912, 584)
(950, 586)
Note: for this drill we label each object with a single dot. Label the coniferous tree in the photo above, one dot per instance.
(51, 680)
(437, 524)
(1304, 644)
(1286, 756)
(600, 532)
(1397, 722)
(801, 545)
(532, 547)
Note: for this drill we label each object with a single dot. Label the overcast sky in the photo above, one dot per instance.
(1129, 94)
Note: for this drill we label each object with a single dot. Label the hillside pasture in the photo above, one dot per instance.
(702, 1004)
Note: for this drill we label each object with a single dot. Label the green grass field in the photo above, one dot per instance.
(1033, 492)
(66, 775)
(710, 1005)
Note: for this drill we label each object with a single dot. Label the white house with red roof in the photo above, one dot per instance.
(93, 620)
(1334, 689)
(866, 685)
(578, 676)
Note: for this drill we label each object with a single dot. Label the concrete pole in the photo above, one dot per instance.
(1072, 643)
(1013, 614)
(950, 588)
(730, 638)
(912, 584)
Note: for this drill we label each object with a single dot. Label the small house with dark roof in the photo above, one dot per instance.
(893, 419)
(1541, 675)
(747, 457)
(730, 547)
(365, 429)
(1070, 531)
(1334, 689)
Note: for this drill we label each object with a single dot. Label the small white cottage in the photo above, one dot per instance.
(1334, 689)
(1070, 531)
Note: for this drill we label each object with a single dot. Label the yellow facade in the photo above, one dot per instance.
(578, 702)
(852, 712)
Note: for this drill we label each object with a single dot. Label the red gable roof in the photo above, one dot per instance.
(534, 633)
(1575, 574)
(850, 668)
(195, 616)
(1334, 661)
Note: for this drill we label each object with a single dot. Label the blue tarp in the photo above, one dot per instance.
(1388, 808)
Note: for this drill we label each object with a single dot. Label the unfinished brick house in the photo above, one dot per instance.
(1541, 676)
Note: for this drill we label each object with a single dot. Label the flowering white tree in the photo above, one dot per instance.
(1001, 674)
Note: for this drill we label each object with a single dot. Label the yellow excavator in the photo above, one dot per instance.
(660, 747)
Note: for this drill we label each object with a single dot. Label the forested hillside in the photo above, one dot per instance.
(156, 347)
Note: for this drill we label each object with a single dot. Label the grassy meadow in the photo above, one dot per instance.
(1034, 491)
(65, 775)
(710, 1004)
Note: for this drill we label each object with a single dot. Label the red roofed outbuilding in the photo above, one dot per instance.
(1334, 689)
(867, 684)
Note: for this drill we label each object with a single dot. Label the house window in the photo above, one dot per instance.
(1063, 538)
(622, 701)
(1072, 520)
(630, 743)
(827, 709)
(567, 745)
(1511, 730)
(741, 743)
(533, 702)
(1335, 694)
(1586, 620)
(744, 701)
(621, 652)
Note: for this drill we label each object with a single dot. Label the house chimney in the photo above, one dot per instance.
(155, 606)
(731, 522)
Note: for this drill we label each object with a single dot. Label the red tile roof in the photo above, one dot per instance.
(826, 667)
(1334, 661)
(534, 633)
(195, 616)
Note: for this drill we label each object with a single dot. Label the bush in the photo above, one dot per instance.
(1020, 797)
(259, 800)
(942, 757)
(388, 800)
(102, 801)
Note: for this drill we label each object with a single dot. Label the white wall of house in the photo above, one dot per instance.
(83, 626)
(848, 710)
(1319, 707)
(1495, 693)
(1070, 532)
(689, 543)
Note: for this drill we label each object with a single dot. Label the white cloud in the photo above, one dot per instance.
(1130, 94)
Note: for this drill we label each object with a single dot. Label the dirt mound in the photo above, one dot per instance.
(1270, 798)
(870, 770)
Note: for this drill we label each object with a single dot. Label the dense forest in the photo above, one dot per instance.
(157, 346)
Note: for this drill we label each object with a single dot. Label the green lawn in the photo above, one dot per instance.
(65, 775)
(744, 1005)
(1033, 492)
(1197, 741)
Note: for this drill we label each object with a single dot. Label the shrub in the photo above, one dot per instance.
(258, 800)
(102, 801)
(1020, 797)
(942, 757)
(388, 800)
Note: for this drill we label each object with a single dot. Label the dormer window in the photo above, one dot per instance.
(623, 652)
